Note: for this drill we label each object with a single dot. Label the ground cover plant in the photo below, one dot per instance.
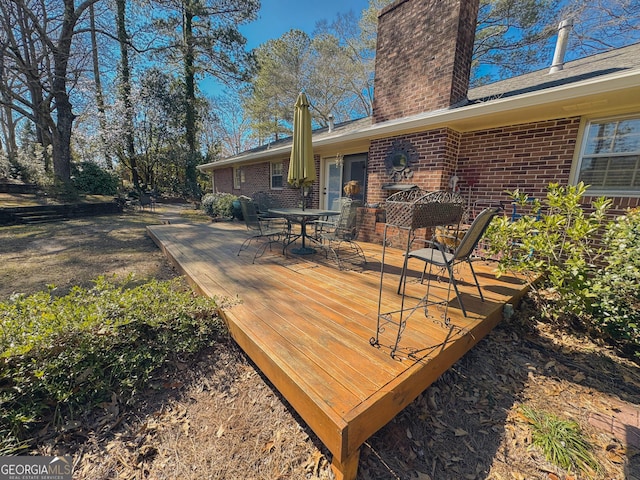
(64, 355)
(212, 415)
(560, 441)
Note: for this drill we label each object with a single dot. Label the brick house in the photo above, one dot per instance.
(576, 121)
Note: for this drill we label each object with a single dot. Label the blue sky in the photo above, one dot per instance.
(279, 16)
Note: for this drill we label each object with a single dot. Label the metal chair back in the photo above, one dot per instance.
(347, 223)
(250, 214)
(470, 240)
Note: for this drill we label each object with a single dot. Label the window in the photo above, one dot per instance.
(610, 156)
(238, 177)
(276, 175)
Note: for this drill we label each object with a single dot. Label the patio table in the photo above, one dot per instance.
(301, 216)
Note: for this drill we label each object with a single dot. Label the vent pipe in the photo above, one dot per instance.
(561, 45)
(330, 121)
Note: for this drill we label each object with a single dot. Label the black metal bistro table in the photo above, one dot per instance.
(301, 216)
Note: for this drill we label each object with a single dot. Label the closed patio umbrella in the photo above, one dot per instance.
(302, 168)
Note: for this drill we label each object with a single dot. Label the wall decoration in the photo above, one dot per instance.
(398, 160)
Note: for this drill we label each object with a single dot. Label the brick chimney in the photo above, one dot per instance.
(423, 56)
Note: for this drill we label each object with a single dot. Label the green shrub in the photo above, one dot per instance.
(90, 178)
(561, 244)
(63, 191)
(589, 267)
(218, 205)
(61, 356)
(616, 296)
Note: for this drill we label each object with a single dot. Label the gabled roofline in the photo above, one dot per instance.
(601, 93)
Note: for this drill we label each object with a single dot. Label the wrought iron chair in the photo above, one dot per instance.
(269, 232)
(341, 242)
(439, 256)
(263, 202)
(328, 224)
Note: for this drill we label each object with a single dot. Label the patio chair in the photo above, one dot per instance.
(263, 202)
(328, 223)
(269, 232)
(439, 256)
(147, 200)
(341, 242)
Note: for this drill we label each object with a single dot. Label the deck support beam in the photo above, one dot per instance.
(346, 469)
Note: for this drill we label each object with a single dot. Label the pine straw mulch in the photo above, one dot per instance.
(217, 417)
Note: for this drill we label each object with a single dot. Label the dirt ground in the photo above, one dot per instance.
(219, 418)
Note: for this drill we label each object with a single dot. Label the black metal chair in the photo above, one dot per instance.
(341, 242)
(328, 223)
(269, 232)
(438, 255)
(263, 202)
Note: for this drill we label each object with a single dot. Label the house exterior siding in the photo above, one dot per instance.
(257, 178)
(490, 162)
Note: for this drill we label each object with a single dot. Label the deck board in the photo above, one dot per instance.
(307, 326)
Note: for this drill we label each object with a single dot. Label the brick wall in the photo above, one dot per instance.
(526, 157)
(257, 178)
(436, 155)
(223, 180)
(423, 56)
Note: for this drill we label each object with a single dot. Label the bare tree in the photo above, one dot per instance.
(602, 25)
(37, 38)
(99, 95)
(8, 119)
(230, 125)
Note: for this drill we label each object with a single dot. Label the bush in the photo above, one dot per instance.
(90, 178)
(561, 244)
(616, 296)
(63, 191)
(589, 268)
(218, 205)
(60, 357)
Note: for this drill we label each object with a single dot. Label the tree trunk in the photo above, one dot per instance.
(125, 91)
(8, 122)
(99, 96)
(62, 139)
(190, 103)
(64, 114)
(42, 119)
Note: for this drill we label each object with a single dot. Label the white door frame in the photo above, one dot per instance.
(329, 168)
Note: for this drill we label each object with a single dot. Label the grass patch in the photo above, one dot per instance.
(561, 441)
(61, 356)
(195, 215)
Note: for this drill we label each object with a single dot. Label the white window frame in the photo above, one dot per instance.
(273, 174)
(584, 136)
(238, 177)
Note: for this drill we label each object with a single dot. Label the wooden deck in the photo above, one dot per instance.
(307, 326)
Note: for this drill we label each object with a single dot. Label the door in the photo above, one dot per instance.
(332, 183)
(355, 168)
(336, 175)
